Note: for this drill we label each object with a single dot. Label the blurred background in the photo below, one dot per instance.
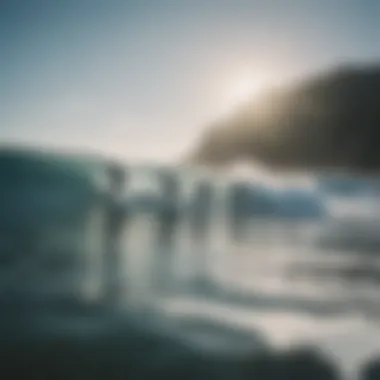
(208, 167)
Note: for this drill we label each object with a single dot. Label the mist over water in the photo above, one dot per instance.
(295, 279)
(244, 263)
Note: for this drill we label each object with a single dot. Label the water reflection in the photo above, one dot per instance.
(273, 244)
(264, 258)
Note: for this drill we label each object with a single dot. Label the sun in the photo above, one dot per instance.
(244, 86)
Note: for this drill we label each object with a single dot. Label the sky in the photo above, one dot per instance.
(141, 79)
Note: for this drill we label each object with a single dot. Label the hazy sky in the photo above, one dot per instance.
(142, 78)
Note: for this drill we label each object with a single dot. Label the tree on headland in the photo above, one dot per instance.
(328, 121)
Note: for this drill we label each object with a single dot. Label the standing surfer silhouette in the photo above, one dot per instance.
(116, 222)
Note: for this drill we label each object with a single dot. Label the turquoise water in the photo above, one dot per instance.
(276, 280)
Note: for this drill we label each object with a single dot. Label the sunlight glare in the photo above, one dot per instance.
(245, 86)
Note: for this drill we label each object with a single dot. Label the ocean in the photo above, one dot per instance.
(278, 280)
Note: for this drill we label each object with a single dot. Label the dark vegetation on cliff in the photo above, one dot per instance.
(331, 120)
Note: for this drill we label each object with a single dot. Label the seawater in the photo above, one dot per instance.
(298, 291)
